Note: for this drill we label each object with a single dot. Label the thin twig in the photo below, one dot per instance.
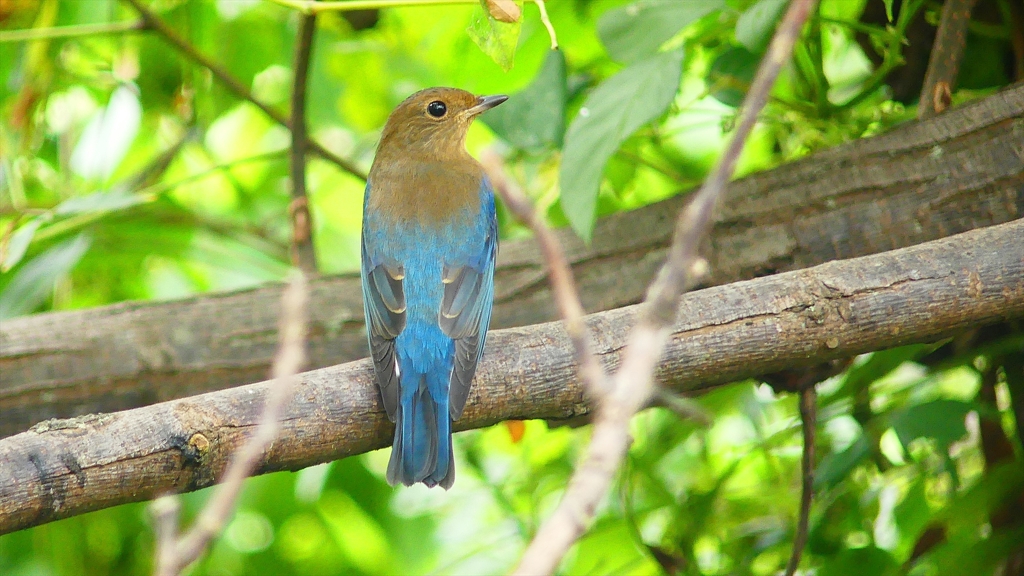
(809, 418)
(314, 7)
(563, 286)
(154, 23)
(289, 360)
(944, 64)
(303, 254)
(633, 384)
(31, 34)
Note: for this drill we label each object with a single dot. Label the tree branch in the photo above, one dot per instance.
(809, 419)
(154, 23)
(924, 293)
(303, 254)
(924, 180)
(944, 63)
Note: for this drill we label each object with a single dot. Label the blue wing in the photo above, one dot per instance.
(466, 306)
(384, 308)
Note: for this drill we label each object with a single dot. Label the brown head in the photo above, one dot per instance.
(432, 124)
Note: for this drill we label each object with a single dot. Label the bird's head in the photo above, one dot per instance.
(433, 122)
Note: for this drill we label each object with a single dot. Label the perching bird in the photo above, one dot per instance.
(429, 241)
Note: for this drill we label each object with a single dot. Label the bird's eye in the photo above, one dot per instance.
(437, 109)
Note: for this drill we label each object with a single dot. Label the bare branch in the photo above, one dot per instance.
(154, 23)
(289, 360)
(563, 286)
(809, 419)
(944, 63)
(634, 381)
(303, 254)
(62, 468)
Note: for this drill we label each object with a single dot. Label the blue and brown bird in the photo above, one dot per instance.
(429, 241)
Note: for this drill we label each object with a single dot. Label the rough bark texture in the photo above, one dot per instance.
(925, 180)
(63, 468)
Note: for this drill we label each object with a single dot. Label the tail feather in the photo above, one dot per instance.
(422, 449)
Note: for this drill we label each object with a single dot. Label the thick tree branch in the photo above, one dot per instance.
(303, 254)
(839, 309)
(925, 180)
(154, 23)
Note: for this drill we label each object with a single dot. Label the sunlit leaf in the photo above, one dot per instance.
(755, 26)
(535, 117)
(18, 243)
(108, 135)
(497, 39)
(34, 280)
(615, 109)
(638, 30)
(100, 202)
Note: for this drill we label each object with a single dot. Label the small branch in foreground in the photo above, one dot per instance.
(563, 286)
(633, 384)
(31, 34)
(174, 554)
(947, 52)
(809, 419)
(303, 254)
(154, 23)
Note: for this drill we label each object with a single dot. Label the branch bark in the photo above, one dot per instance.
(958, 171)
(64, 468)
(944, 63)
(303, 254)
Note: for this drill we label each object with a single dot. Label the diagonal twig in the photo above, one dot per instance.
(944, 63)
(633, 384)
(174, 553)
(303, 254)
(154, 23)
(563, 286)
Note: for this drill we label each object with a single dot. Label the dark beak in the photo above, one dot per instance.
(485, 103)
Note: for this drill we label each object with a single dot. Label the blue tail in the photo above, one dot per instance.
(422, 449)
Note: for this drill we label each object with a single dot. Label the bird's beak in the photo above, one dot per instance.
(485, 103)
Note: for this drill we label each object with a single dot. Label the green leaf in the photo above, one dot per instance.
(34, 280)
(880, 364)
(497, 39)
(731, 73)
(755, 26)
(836, 466)
(858, 561)
(888, 9)
(615, 109)
(535, 117)
(638, 30)
(971, 555)
(942, 420)
(19, 242)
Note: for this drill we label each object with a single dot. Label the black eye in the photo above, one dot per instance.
(437, 109)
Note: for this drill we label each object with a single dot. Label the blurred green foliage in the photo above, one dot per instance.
(128, 172)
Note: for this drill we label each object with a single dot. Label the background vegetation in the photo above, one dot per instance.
(129, 172)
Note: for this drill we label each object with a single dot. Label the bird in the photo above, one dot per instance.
(428, 245)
